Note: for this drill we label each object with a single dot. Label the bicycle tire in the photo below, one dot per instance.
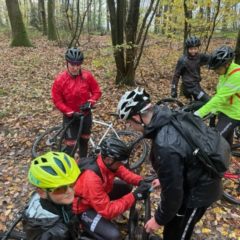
(171, 103)
(236, 150)
(139, 148)
(47, 141)
(237, 133)
(15, 235)
(231, 182)
(137, 220)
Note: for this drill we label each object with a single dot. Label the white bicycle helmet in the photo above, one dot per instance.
(133, 102)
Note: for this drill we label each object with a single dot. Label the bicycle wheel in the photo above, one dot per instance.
(237, 133)
(16, 235)
(139, 214)
(171, 103)
(47, 141)
(231, 181)
(139, 147)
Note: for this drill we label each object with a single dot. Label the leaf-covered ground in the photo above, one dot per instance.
(26, 109)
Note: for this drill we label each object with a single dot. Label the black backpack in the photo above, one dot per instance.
(208, 146)
(90, 163)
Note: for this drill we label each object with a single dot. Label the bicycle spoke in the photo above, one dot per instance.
(139, 148)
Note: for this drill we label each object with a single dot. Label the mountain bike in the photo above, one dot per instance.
(140, 213)
(53, 140)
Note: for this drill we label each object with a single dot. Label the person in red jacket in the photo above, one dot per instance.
(73, 89)
(99, 199)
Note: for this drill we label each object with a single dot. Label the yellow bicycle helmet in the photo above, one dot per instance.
(53, 170)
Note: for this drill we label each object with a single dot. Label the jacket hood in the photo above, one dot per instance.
(161, 116)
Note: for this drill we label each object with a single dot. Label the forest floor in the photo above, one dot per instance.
(26, 108)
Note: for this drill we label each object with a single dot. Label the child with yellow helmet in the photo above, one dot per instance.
(48, 215)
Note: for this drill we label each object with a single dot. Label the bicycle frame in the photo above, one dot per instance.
(231, 175)
(109, 127)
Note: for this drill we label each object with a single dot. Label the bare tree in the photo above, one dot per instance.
(187, 26)
(34, 21)
(129, 35)
(213, 24)
(237, 58)
(19, 33)
(52, 32)
(41, 9)
(79, 24)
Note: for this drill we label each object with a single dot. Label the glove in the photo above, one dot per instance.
(174, 91)
(86, 106)
(196, 114)
(76, 115)
(142, 191)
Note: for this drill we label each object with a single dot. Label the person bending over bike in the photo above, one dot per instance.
(188, 67)
(186, 189)
(72, 89)
(99, 199)
(48, 215)
(226, 101)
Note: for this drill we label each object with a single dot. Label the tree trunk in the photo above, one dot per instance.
(164, 19)
(99, 21)
(213, 24)
(187, 26)
(34, 21)
(128, 47)
(117, 22)
(52, 32)
(237, 50)
(41, 9)
(131, 31)
(19, 33)
(157, 23)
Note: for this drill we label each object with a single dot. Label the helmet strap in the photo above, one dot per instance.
(139, 122)
(142, 122)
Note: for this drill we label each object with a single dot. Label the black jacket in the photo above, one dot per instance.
(189, 68)
(183, 181)
(44, 220)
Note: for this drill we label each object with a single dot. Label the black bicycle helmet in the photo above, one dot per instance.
(133, 102)
(220, 57)
(115, 148)
(192, 42)
(74, 54)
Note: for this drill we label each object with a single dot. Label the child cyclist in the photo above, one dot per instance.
(48, 215)
(188, 67)
(226, 101)
(99, 199)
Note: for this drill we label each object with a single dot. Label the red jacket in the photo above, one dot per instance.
(70, 93)
(92, 192)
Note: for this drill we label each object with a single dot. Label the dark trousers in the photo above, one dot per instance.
(195, 92)
(97, 226)
(182, 225)
(226, 127)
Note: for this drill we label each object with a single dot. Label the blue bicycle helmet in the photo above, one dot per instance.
(74, 54)
(220, 57)
(192, 42)
(115, 148)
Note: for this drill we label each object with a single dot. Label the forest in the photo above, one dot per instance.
(126, 43)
